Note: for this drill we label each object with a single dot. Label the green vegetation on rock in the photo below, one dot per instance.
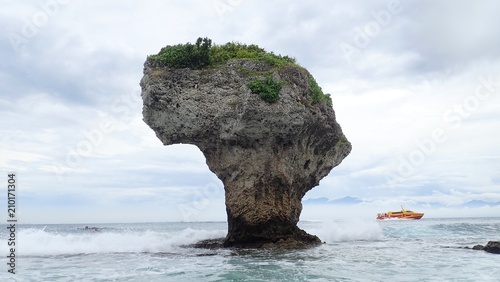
(317, 93)
(342, 141)
(185, 55)
(202, 54)
(268, 89)
(220, 54)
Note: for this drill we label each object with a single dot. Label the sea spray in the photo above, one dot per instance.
(39, 242)
(346, 230)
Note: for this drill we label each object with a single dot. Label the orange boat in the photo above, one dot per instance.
(403, 214)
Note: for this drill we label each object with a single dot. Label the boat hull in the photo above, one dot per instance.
(403, 214)
(418, 216)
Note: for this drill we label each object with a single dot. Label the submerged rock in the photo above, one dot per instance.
(268, 155)
(478, 247)
(492, 247)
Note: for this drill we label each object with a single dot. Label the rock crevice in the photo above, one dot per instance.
(268, 155)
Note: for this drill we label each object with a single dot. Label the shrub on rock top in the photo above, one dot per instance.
(203, 54)
(267, 89)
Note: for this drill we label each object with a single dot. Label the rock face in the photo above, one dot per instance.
(268, 155)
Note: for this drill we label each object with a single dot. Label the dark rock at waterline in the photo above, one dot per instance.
(478, 247)
(209, 244)
(283, 243)
(492, 247)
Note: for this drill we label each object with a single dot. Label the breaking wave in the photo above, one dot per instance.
(39, 242)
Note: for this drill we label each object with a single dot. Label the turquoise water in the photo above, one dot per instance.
(423, 250)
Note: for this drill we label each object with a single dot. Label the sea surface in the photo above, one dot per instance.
(354, 250)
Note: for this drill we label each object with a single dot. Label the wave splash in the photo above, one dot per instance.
(346, 231)
(39, 242)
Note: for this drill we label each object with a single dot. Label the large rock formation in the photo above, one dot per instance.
(268, 155)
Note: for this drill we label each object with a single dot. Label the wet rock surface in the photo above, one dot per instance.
(492, 247)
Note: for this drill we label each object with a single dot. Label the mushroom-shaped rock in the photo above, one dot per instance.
(267, 154)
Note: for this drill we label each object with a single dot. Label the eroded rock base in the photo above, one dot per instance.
(267, 235)
(300, 240)
(272, 233)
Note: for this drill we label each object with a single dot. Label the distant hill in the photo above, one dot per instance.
(479, 203)
(325, 201)
(348, 200)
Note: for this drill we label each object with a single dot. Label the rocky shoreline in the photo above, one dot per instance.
(492, 247)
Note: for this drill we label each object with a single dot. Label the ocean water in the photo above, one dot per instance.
(354, 250)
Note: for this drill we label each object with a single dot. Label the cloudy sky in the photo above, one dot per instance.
(415, 86)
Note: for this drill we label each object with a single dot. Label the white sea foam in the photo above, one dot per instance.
(347, 230)
(41, 243)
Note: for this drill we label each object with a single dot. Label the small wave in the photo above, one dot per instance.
(39, 242)
(342, 231)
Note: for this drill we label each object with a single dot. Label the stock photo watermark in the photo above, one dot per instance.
(222, 7)
(12, 190)
(94, 137)
(364, 35)
(201, 199)
(454, 116)
(32, 25)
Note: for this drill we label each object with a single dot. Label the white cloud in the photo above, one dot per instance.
(83, 65)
